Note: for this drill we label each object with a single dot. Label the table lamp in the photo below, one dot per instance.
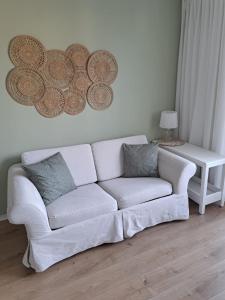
(168, 122)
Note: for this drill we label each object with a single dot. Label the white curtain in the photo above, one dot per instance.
(200, 99)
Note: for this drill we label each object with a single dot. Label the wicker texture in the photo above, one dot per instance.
(55, 81)
(102, 67)
(26, 51)
(74, 101)
(25, 86)
(52, 103)
(58, 70)
(81, 82)
(100, 96)
(79, 55)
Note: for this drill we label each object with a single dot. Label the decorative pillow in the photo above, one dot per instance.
(51, 177)
(140, 160)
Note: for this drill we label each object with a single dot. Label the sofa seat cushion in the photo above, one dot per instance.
(133, 191)
(87, 201)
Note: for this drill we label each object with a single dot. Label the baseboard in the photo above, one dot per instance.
(3, 217)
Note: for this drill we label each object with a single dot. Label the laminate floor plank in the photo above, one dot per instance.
(180, 260)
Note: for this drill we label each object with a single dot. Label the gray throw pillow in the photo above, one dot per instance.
(140, 160)
(51, 177)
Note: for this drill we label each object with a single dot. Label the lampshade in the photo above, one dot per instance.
(168, 119)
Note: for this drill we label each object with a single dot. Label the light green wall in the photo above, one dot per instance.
(142, 34)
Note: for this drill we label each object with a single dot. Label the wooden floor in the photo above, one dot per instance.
(178, 260)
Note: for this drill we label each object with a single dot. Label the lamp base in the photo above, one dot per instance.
(168, 135)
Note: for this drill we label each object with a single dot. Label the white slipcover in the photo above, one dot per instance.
(46, 246)
(175, 170)
(86, 202)
(165, 209)
(78, 158)
(108, 156)
(67, 241)
(25, 205)
(132, 191)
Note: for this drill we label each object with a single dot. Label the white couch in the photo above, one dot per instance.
(105, 208)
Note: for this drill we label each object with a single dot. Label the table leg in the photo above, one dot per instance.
(204, 183)
(222, 187)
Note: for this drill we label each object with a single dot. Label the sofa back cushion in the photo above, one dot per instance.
(78, 158)
(108, 156)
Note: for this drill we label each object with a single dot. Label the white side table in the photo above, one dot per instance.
(199, 190)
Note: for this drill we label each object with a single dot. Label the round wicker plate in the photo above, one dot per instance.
(99, 96)
(25, 86)
(81, 82)
(26, 51)
(58, 70)
(52, 103)
(78, 54)
(102, 67)
(74, 101)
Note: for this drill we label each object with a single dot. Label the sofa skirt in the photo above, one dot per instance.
(166, 209)
(62, 243)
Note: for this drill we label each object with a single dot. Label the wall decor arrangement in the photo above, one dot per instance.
(56, 81)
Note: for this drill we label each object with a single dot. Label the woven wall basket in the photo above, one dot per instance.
(102, 67)
(52, 103)
(25, 86)
(55, 81)
(79, 55)
(81, 82)
(58, 70)
(74, 101)
(26, 51)
(99, 96)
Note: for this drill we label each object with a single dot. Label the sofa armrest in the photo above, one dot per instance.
(25, 205)
(176, 170)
